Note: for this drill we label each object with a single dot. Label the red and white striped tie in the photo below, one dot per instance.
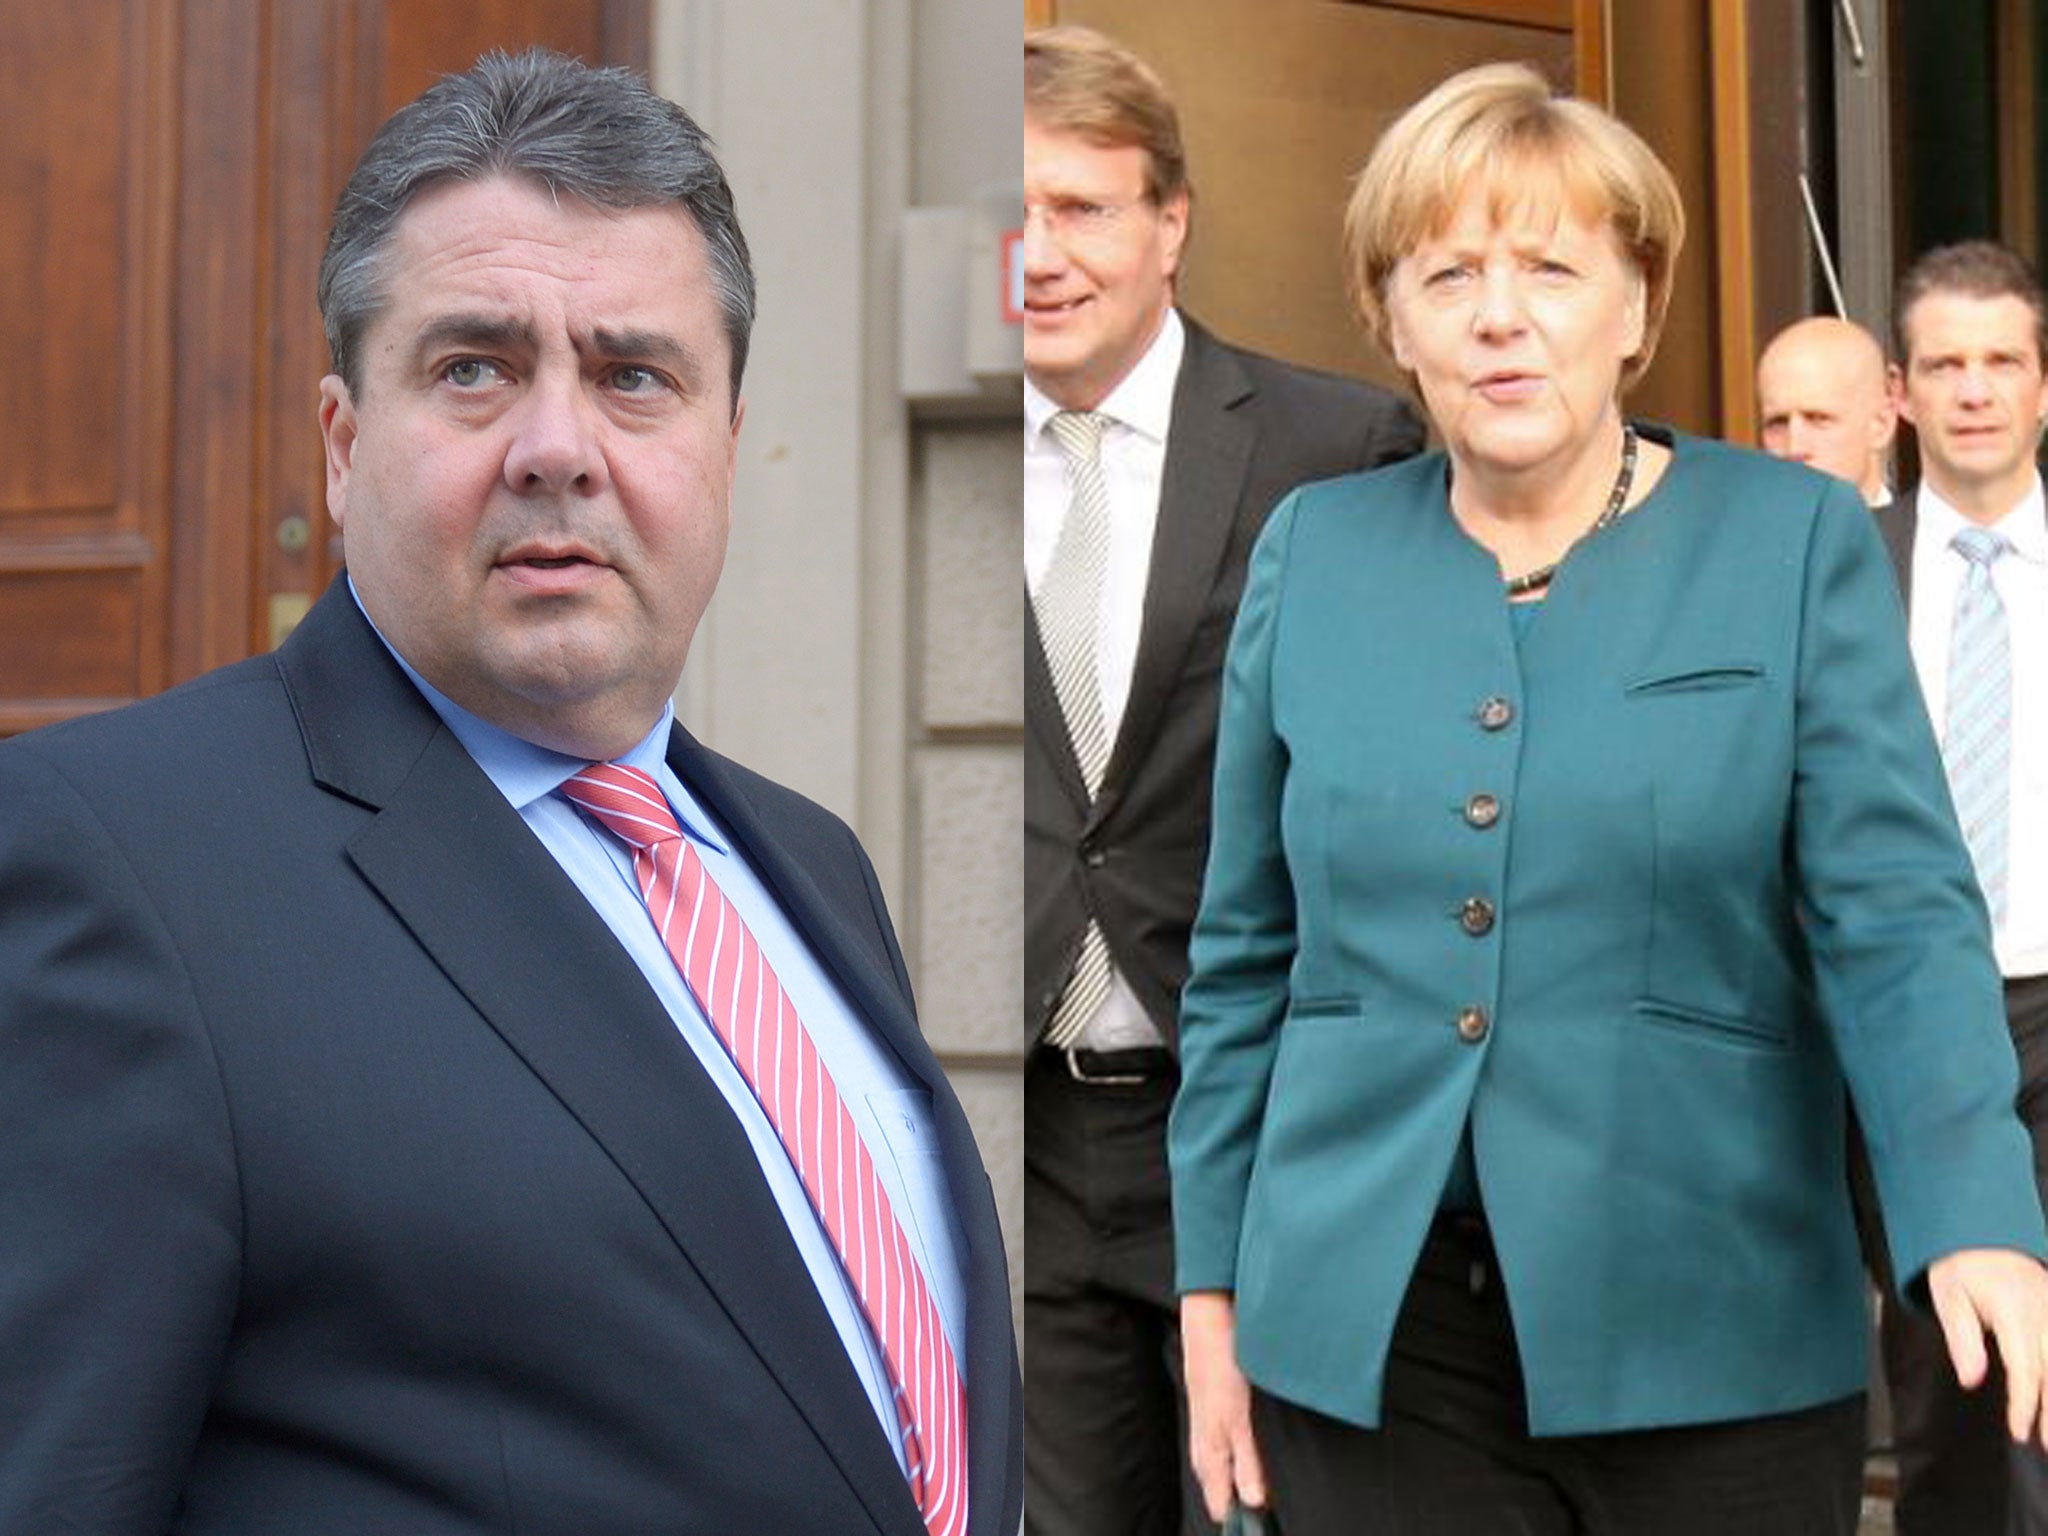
(718, 957)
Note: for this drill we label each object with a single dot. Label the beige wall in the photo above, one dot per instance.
(866, 642)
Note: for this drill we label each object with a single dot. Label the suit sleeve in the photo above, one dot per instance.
(1898, 932)
(1243, 942)
(119, 1212)
(1395, 433)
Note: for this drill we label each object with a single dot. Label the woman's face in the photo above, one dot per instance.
(1516, 330)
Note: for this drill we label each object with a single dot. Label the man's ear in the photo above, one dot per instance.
(338, 443)
(1173, 233)
(1884, 422)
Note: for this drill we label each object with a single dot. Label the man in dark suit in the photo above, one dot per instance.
(1153, 453)
(1970, 547)
(437, 1095)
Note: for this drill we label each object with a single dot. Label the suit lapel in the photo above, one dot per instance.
(1208, 451)
(880, 996)
(1043, 716)
(474, 886)
(787, 867)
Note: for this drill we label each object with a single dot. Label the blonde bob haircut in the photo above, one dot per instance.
(1501, 131)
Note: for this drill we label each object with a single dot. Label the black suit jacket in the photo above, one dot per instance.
(352, 1179)
(1245, 430)
(1896, 520)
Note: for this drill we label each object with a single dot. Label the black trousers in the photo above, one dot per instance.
(1959, 1472)
(1105, 1440)
(1453, 1455)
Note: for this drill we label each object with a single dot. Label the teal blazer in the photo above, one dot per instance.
(1718, 874)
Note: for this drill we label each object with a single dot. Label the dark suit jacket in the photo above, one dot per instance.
(1896, 521)
(353, 1180)
(1245, 430)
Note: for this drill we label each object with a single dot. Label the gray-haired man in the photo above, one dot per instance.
(436, 1094)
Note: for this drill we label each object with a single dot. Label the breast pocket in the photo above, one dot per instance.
(1701, 678)
(1714, 736)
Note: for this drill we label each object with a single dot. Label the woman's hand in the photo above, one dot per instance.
(1226, 1461)
(2005, 1294)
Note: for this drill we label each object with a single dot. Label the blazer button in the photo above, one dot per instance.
(1472, 1025)
(1495, 713)
(1094, 858)
(1476, 916)
(1482, 811)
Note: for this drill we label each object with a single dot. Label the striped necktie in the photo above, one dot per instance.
(730, 977)
(1976, 746)
(1068, 605)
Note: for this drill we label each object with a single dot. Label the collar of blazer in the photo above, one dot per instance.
(1208, 450)
(459, 868)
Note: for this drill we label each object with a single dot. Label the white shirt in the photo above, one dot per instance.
(1140, 409)
(2021, 577)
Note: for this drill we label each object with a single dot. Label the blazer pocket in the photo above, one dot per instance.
(1725, 674)
(1325, 1008)
(1700, 1024)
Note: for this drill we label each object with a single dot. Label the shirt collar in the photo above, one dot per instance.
(1142, 399)
(525, 771)
(2025, 527)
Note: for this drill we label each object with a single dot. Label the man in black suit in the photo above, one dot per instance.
(1970, 546)
(1153, 453)
(375, 1159)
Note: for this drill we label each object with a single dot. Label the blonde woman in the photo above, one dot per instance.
(1578, 832)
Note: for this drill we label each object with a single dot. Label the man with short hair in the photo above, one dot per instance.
(1970, 547)
(437, 1094)
(1153, 453)
(1823, 396)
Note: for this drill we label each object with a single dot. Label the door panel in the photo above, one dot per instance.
(83, 326)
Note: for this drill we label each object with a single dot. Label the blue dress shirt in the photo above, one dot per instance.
(892, 1113)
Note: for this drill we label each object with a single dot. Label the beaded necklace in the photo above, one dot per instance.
(1617, 499)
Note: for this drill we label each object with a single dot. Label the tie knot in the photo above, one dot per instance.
(1079, 434)
(625, 802)
(1980, 546)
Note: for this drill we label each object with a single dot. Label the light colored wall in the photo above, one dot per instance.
(866, 643)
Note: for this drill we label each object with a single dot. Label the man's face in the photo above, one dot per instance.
(1099, 262)
(1824, 402)
(532, 485)
(1972, 388)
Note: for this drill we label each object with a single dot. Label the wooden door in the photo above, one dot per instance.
(167, 168)
(86, 209)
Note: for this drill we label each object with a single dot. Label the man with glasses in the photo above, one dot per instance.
(1153, 453)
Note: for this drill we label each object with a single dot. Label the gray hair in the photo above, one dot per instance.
(597, 134)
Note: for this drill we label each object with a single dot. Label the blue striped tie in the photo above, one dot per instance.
(1977, 745)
